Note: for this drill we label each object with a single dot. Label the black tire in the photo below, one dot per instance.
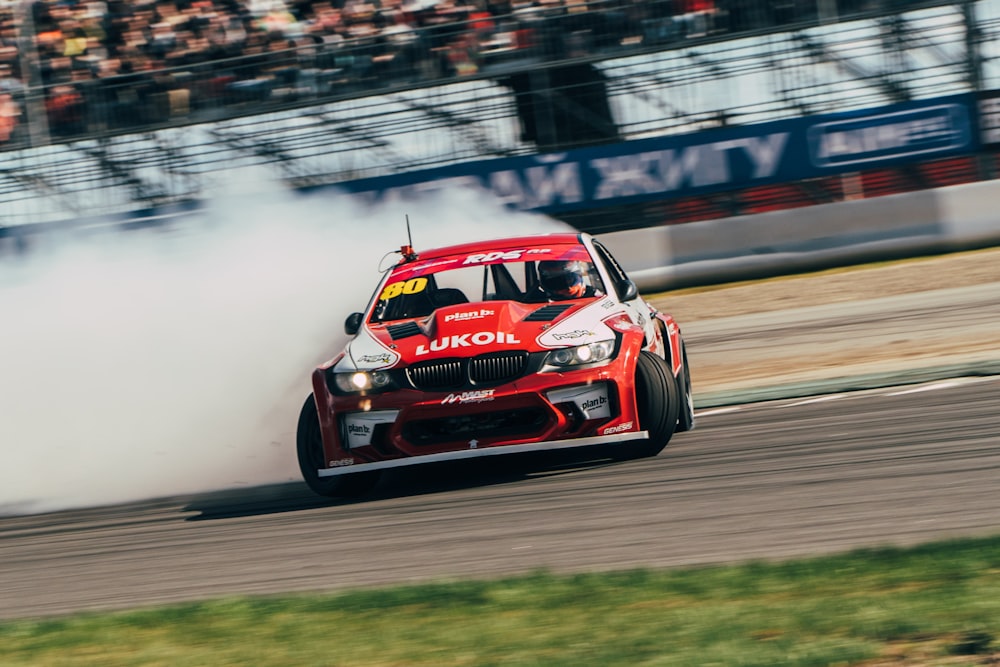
(658, 402)
(309, 446)
(685, 421)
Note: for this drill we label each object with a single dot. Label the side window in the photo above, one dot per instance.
(613, 268)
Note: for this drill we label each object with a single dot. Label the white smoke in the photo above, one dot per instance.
(153, 363)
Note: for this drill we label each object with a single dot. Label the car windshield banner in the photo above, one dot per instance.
(709, 161)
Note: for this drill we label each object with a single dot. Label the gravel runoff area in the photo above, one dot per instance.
(870, 281)
(887, 323)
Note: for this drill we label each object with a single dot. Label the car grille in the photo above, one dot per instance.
(497, 367)
(485, 369)
(437, 374)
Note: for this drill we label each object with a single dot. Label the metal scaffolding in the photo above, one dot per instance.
(659, 85)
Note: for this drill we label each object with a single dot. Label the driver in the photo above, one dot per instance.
(564, 279)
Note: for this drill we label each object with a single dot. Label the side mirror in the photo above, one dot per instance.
(630, 291)
(353, 323)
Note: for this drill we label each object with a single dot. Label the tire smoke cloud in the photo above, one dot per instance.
(152, 363)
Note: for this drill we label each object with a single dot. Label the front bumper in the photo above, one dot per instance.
(344, 468)
(537, 412)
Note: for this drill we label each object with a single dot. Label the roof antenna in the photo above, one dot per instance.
(407, 250)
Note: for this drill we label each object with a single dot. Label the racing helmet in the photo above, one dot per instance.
(563, 277)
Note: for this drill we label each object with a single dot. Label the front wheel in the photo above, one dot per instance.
(309, 447)
(658, 403)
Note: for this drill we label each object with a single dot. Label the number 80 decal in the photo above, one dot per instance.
(411, 286)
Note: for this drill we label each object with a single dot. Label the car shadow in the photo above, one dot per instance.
(395, 483)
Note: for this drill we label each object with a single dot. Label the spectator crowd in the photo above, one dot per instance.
(85, 66)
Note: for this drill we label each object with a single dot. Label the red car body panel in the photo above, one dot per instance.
(478, 375)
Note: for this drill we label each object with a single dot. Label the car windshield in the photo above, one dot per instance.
(417, 290)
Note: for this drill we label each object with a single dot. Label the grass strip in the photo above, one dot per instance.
(936, 604)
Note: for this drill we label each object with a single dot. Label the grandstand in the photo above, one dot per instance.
(156, 101)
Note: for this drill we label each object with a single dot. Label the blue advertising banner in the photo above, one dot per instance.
(704, 162)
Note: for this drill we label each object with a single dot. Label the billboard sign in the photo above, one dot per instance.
(704, 162)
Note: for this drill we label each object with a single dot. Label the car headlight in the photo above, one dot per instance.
(581, 355)
(360, 382)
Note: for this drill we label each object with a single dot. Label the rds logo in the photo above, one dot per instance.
(481, 257)
(502, 255)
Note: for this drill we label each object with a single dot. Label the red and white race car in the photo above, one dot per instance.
(482, 349)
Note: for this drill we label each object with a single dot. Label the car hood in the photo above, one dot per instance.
(469, 330)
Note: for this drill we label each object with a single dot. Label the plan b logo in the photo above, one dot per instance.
(470, 315)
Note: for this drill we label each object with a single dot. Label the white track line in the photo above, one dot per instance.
(717, 411)
(926, 387)
(817, 399)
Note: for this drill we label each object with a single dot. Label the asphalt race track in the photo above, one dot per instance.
(774, 479)
(828, 471)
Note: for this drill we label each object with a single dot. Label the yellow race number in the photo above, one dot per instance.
(411, 286)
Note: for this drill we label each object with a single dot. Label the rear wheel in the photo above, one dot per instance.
(658, 402)
(309, 446)
(685, 421)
